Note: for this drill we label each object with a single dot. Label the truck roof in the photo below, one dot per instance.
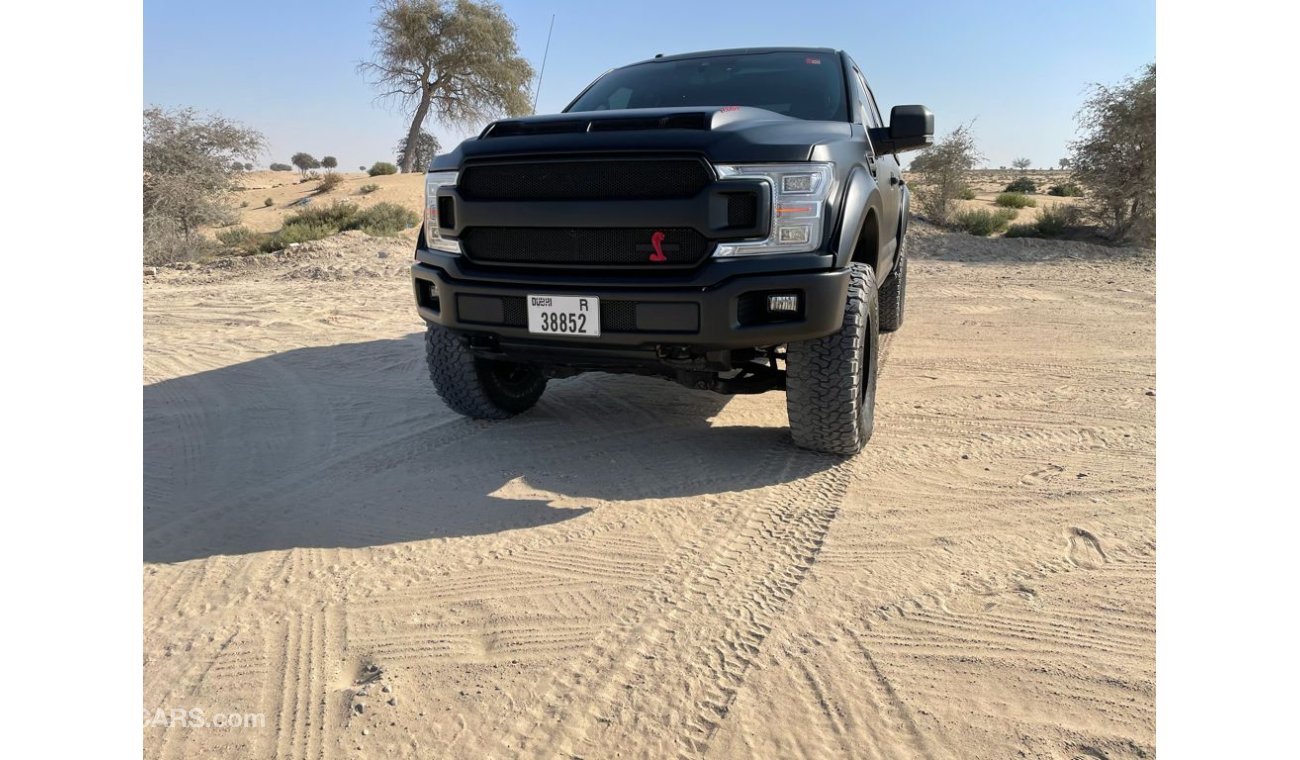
(736, 51)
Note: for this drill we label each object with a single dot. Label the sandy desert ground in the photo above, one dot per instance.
(637, 570)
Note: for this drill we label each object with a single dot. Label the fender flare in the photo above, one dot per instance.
(905, 212)
(860, 195)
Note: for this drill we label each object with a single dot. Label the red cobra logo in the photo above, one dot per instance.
(655, 240)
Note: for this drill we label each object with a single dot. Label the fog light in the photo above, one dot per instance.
(783, 303)
(788, 235)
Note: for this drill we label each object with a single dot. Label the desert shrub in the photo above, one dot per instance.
(1022, 185)
(329, 182)
(1068, 190)
(941, 173)
(967, 193)
(382, 167)
(268, 203)
(1115, 159)
(189, 166)
(292, 232)
(301, 232)
(165, 242)
(1054, 221)
(368, 189)
(1022, 230)
(235, 235)
(386, 219)
(239, 239)
(1015, 200)
(982, 221)
(281, 168)
(340, 215)
(322, 221)
(243, 204)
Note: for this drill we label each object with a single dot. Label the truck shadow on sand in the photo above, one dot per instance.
(349, 446)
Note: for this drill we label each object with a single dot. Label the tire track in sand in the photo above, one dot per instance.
(669, 672)
(666, 677)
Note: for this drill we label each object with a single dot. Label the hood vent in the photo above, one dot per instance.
(700, 120)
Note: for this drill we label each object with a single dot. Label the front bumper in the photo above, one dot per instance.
(720, 305)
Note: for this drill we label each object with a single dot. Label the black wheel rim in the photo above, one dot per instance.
(866, 397)
(865, 382)
(513, 378)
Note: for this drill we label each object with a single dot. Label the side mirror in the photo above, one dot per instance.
(910, 128)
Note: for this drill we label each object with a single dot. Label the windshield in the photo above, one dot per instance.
(802, 85)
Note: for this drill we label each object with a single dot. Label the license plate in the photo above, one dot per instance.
(564, 315)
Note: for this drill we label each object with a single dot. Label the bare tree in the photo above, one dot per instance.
(943, 168)
(189, 168)
(426, 147)
(456, 61)
(1115, 159)
(1022, 163)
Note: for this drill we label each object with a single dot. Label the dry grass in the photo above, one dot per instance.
(988, 184)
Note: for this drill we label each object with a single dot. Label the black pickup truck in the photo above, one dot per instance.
(733, 220)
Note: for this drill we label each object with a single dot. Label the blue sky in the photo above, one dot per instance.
(1019, 68)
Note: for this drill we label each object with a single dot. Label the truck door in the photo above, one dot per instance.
(889, 175)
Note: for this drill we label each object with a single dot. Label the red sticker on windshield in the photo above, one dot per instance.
(812, 60)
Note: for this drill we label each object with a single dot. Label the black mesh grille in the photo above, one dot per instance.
(559, 246)
(516, 311)
(742, 210)
(617, 316)
(446, 213)
(621, 179)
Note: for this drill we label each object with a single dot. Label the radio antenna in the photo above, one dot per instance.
(542, 73)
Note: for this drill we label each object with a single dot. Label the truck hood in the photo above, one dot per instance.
(724, 134)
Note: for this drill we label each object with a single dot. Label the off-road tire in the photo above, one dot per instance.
(830, 393)
(893, 292)
(476, 387)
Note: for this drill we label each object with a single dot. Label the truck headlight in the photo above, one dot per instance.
(432, 235)
(799, 194)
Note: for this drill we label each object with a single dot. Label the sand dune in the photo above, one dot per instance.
(632, 569)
